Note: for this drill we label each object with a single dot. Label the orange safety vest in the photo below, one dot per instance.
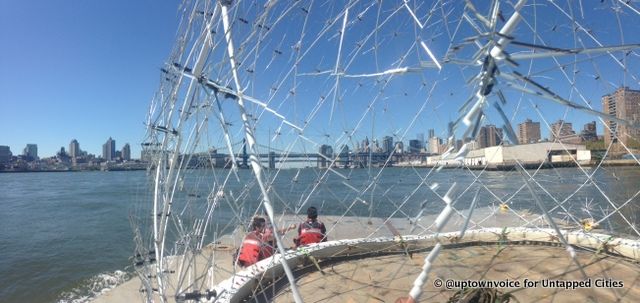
(250, 252)
(311, 232)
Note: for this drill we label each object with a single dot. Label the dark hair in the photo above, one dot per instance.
(312, 212)
(258, 223)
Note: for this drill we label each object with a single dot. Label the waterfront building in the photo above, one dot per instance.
(5, 154)
(528, 132)
(589, 132)
(30, 152)
(489, 135)
(624, 103)
(471, 144)
(532, 154)
(387, 144)
(414, 146)
(126, 152)
(74, 149)
(399, 147)
(109, 150)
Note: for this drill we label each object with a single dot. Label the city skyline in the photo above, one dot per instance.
(102, 71)
(73, 151)
(489, 135)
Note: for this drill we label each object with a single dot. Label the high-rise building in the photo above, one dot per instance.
(387, 144)
(589, 132)
(399, 147)
(459, 145)
(109, 150)
(434, 145)
(562, 131)
(365, 145)
(432, 133)
(420, 137)
(74, 149)
(5, 154)
(489, 135)
(126, 152)
(31, 152)
(414, 146)
(528, 132)
(624, 103)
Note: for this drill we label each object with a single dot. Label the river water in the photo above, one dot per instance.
(64, 237)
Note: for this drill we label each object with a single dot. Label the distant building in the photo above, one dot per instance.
(528, 132)
(471, 144)
(434, 145)
(532, 155)
(458, 144)
(432, 133)
(109, 150)
(589, 132)
(399, 147)
(562, 131)
(489, 135)
(217, 160)
(5, 154)
(624, 103)
(30, 152)
(126, 152)
(414, 146)
(420, 138)
(344, 151)
(74, 149)
(365, 145)
(387, 144)
(536, 154)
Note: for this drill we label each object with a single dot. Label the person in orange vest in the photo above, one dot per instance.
(312, 230)
(258, 244)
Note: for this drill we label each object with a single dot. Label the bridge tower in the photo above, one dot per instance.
(245, 156)
(272, 160)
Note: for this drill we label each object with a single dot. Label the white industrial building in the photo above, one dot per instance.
(544, 152)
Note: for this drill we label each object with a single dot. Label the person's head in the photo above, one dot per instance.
(258, 223)
(312, 212)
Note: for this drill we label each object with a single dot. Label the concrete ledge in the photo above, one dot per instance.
(241, 286)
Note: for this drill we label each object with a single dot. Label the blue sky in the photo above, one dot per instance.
(87, 70)
(83, 70)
